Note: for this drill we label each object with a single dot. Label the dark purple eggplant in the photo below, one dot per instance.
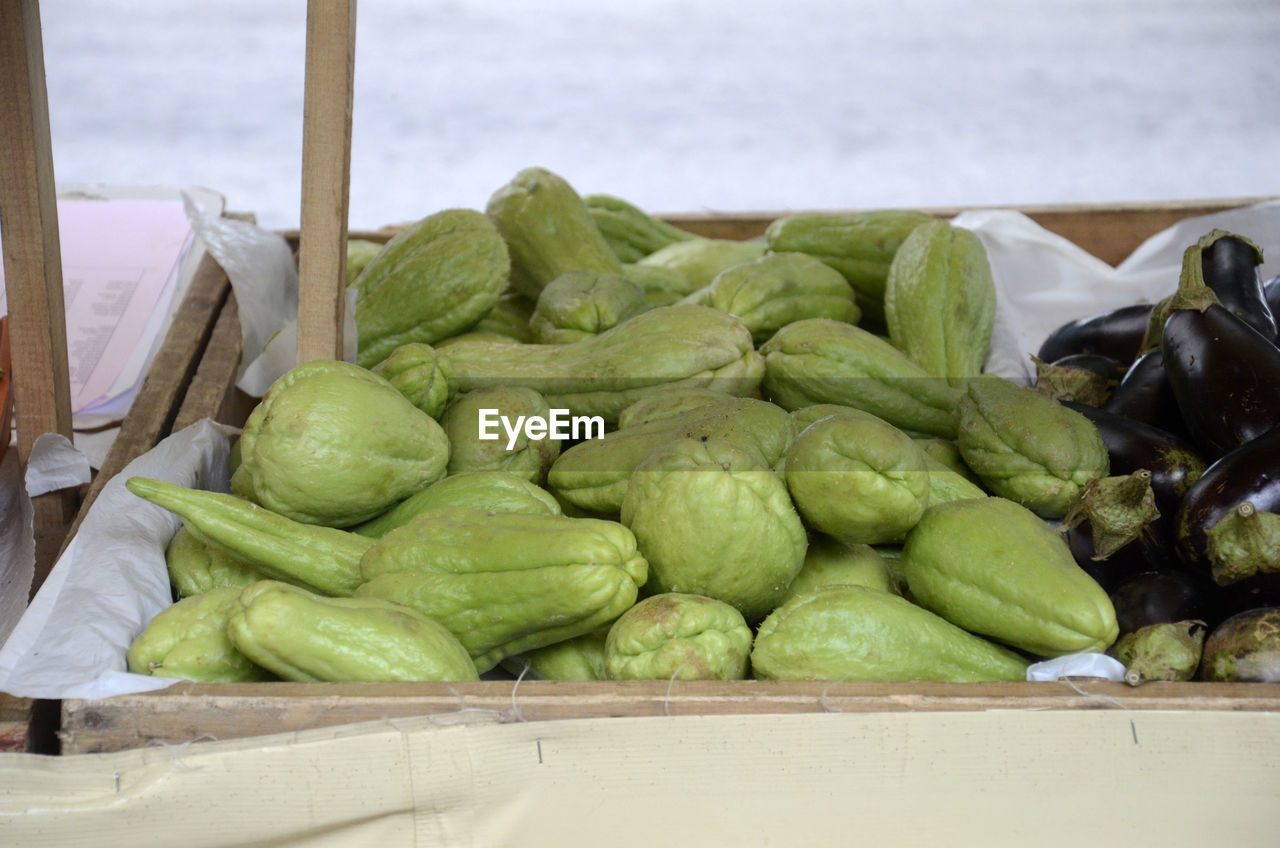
(1095, 363)
(1162, 597)
(1224, 373)
(1083, 377)
(1250, 473)
(1271, 294)
(1147, 553)
(1111, 530)
(1115, 334)
(1230, 267)
(1244, 648)
(1174, 464)
(1145, 395)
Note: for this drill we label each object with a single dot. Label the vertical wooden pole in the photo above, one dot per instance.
(33, 261)
(326, 171)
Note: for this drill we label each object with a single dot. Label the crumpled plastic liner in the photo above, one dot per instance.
(17, 544)
(112, 579)
(262, 272)
(55, 464)
(1078, 665)
(1043, 281)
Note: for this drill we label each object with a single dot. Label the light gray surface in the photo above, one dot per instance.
(682, 106)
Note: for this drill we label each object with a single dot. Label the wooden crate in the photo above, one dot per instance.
(193, 711)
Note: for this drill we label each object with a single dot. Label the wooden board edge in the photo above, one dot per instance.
(191, 711)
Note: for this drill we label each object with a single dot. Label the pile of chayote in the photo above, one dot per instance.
(784, 462)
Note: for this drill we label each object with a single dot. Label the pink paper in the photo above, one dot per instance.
(119, 258)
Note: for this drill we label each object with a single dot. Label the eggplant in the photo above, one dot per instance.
(1084, 377)
(1111, 531)
(1230, 267)
(1271, 294)
(1244, 648)
(1163, 597)
(1171, 652)
(1224, 373)
(1249, 474)
(1145, 395)
(1115, 334)
(1174, 464)
(1148, 553)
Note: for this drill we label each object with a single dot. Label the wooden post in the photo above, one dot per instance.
(33, 261)
(326, 171)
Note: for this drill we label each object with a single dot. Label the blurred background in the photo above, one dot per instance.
(677, 105)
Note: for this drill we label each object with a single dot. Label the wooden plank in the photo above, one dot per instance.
(189, 711)
(326, 168)
(163, 389)
(212, 392)
(33, 263)
(6, 387)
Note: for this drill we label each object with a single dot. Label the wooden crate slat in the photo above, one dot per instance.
(189, 711)
(326, 165)
(211, 392)
(33, 264)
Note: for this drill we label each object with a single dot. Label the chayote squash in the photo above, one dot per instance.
(579, 658)
(360, 252)
(196, 567)
(1028, 447)
(548, 230)
(993, 567)
(860, 245)
(712, 519)
(508, 320)
(431, 281)
(940, 301)
(658, 350)
(630, 231)
(581, 304)
(662, 286)
(593, 475)
(860, 481)
(666, 405)
(422, 374)
(480, 413)
(768, 293)
(949, 477)
(829, 561)
(678, 636)
(308, 638)
(188, 641)
(495, 491)
(859, 633)
(316, 557)
(700, 260)
(818, 360)
(505, 583)
(332, 443)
